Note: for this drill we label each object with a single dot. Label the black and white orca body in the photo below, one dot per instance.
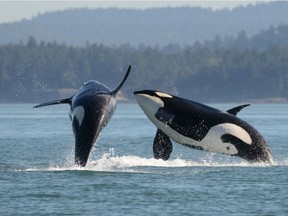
(201, 127)
(91, 108)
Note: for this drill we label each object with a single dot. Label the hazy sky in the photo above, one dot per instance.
(16, 10)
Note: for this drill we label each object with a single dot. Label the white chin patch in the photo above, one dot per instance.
(149, 104)
(161, 94)
(78, 113)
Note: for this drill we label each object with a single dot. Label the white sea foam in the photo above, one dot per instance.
(108, 162)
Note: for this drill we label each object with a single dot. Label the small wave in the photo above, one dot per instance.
(112, 162)
(108, 163)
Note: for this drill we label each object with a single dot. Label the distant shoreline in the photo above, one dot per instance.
(122, 99)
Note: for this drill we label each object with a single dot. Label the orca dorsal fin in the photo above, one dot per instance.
(237, 109)
(162, 146)
(115, 91)
(61, 101)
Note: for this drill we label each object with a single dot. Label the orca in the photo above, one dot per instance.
(200, 127)
(91, 108)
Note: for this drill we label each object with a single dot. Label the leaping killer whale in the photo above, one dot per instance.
(91, 108)
(201, 127)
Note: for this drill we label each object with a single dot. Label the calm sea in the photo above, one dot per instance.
(38, 177)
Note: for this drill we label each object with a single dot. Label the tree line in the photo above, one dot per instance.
(34, 71)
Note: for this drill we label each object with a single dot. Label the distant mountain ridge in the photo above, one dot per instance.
(150, 27)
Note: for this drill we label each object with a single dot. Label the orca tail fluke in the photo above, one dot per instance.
(61, 101)
(115, 91)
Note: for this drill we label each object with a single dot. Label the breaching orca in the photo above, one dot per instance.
(91, 108)
(201, 127)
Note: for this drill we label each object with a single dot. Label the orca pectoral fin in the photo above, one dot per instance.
(114, 92)
(61, 101)
(237, 109)
(162, 146)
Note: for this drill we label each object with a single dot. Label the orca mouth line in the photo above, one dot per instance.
(145, 92)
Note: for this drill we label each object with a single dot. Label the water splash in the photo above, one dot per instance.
(28, 82)
(110, 162)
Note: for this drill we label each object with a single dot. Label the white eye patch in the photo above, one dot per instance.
(161, 94)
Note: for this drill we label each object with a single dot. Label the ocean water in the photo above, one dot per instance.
(38, 177)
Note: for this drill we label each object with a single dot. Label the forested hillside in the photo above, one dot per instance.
(150, 27)
(35, 71)
(261, 41)
(211, 56)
